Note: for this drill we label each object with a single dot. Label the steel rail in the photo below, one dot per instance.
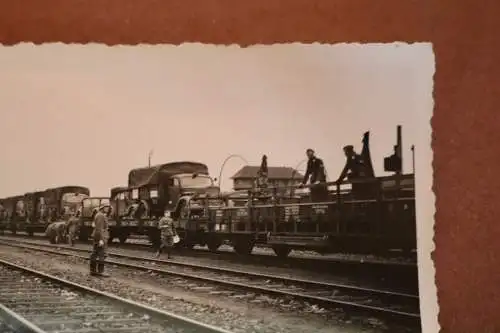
(269, 256)
(16, 322)
(322, 293)
(160, 315)
(237, 272)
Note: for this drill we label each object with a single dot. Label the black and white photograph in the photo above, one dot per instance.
(217, 189)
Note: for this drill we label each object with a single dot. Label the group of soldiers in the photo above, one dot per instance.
(59, 231)
(358, 166)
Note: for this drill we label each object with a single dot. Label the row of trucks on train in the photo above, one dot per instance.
(376, 219)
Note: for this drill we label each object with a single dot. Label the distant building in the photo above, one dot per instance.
(277, 176)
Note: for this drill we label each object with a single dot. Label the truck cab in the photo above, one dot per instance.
(88, 209)
(152, 190)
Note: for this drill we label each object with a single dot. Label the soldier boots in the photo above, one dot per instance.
(97, 269)
(93, 268)
(100, 270)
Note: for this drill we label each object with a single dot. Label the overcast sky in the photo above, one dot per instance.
(86, 115)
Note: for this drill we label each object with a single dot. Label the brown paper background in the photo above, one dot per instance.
(466, 122)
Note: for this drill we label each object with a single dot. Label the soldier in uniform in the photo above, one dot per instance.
(315, 173)
(72, 227)
(167, 229)
(56, 232)
(100, 237)
(358, 166)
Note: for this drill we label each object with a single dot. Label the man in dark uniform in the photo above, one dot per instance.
(100, 237)
(167, 230)
(358, 166)
(316, 174)
(353, 168)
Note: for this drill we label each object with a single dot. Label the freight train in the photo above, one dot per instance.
(33, 211)
(367, 215)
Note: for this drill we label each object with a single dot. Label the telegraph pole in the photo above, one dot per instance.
(413, 157)
(399, 149)
(149, 158)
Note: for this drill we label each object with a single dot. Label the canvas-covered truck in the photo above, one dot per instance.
(152, 190)
(16, 212)
(34, 211)
(62, 200)
(4, 215)
(88, 209)
(36, 220)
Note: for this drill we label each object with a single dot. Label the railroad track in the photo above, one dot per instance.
(382, 303)
(35, 302)
(406, 272)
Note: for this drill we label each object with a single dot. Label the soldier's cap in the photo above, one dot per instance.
(101, 207)
(348, 148)
(310, 150)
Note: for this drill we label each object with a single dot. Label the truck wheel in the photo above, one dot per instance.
(282, 251)
(214, 244)
(123, 238)
(83, 236)
(243, 247)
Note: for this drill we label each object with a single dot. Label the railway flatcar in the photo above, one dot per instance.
(368, 215)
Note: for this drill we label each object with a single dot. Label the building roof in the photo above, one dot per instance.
(250, 171)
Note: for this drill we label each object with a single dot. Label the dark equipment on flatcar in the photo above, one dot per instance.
(394, 163)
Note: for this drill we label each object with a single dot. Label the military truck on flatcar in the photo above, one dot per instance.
(17, 213)
(88, 209)
(4, 221)
(36, 220)
(63, 200)
(152, 190)
(34, 211)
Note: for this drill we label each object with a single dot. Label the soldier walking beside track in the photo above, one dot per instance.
(100, 238)
(167, 229)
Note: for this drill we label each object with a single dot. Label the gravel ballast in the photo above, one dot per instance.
(261, 314)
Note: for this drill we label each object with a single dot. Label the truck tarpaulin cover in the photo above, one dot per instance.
(158, 173)
(115, 190)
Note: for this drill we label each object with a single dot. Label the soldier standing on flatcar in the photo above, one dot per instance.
(316, 174)
(100, 238)
(353, 168)
(358, 166)
(167, 229)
